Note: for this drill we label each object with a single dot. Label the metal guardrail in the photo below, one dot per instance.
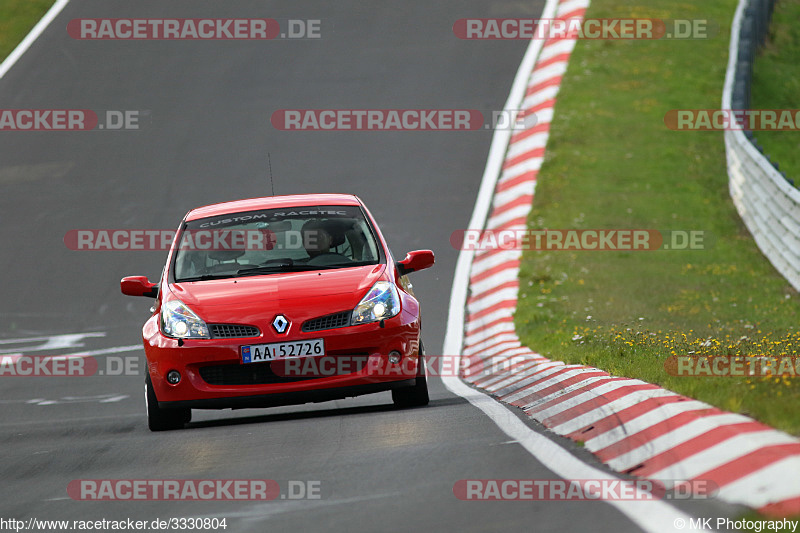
(767, 202)
(753, 33)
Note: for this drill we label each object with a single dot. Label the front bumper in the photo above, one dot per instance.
(358, 355)
(288, 398)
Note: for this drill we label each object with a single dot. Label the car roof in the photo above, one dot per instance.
(272, 202)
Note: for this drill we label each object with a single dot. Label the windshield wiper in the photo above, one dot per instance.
(286, 267)
(204, 277)
(296, 267)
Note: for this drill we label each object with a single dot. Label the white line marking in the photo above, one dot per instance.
(652, 516)
(260, 511)
(12, 358)
(47, 338)
(42, 421)
(115, 399)
(104, 351)
(26, 43)
(51, 343)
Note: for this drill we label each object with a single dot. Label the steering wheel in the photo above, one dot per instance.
(328, 258)
(287, 260)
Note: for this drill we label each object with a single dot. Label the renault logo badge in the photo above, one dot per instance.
(280, 323)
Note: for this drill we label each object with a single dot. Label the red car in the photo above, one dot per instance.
(277, 301)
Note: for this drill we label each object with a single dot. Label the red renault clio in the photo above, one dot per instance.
(276, 301)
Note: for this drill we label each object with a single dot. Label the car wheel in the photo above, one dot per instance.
(162, 419)
(416, 395)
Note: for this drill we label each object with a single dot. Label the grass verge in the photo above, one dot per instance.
(776, 84)
(612, 163)
(17, 17)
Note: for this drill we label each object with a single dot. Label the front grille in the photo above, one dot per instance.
(263, 373)
(336, 320)
(245, 374)
(231, 331)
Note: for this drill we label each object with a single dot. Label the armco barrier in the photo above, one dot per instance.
(768, 203)
(753, 27)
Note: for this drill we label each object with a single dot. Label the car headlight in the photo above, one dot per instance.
(178, 321)
(382, 301)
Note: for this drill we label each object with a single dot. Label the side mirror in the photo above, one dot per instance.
(414, 261)
(138, 286)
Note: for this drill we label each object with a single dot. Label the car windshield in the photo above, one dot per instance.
(273, 241)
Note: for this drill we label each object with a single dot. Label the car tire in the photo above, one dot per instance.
(417, 394)
(162, 419)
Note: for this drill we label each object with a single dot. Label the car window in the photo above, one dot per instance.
(275, 240)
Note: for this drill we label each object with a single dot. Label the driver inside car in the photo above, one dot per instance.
(317, 240)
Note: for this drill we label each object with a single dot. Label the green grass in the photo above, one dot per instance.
(17, 17)
(612, 163)
(776, 84)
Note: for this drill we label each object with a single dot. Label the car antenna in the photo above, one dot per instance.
(272, 183)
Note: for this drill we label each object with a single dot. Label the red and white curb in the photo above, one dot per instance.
(632, 426)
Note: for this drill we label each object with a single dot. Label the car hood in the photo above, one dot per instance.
(251, 299)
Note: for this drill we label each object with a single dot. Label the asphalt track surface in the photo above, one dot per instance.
(205, 139)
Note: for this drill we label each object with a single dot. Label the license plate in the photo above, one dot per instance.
(258, 353)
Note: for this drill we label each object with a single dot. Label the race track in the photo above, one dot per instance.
(204, 138)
